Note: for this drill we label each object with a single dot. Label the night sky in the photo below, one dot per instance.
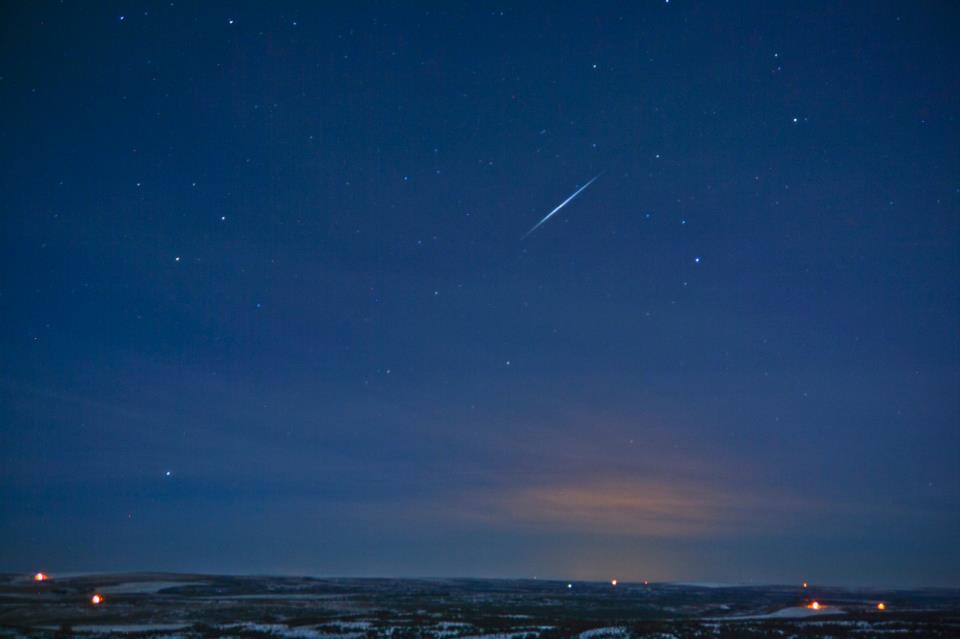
(267, 306)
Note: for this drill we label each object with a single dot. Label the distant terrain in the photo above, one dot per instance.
(153, 605)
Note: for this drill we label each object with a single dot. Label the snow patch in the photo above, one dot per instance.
(610, 631)
(281, 630)
(130, 627)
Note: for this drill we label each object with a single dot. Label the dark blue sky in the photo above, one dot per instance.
(265, 305)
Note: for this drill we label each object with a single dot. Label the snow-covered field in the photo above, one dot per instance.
(793, 612)
(145, 587)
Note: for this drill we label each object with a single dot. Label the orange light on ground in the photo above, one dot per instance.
(881, 606)
(96, 600)
(805, 584)
(613, 582)
(40, 577)
(814, 606)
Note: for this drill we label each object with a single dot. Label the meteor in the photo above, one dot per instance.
(561, 205)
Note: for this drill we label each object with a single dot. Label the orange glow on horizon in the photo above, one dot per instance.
(96, 599)
(814, 606)
(40, 577)
(805, 584)
(613, 582)
(881, 606)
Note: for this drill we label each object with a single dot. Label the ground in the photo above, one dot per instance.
(151, 606)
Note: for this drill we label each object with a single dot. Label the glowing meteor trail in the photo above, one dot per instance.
(561, 205)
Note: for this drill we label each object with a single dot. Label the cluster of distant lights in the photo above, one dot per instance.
(813, 605)
(817, 606)
(613, 583)
(96, 599)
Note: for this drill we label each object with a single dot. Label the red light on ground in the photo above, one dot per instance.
(613, 582)
(881, 606)
(96, 600)
(814, 605)
(40, 577)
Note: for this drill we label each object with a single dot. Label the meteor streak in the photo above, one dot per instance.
(561, 205)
